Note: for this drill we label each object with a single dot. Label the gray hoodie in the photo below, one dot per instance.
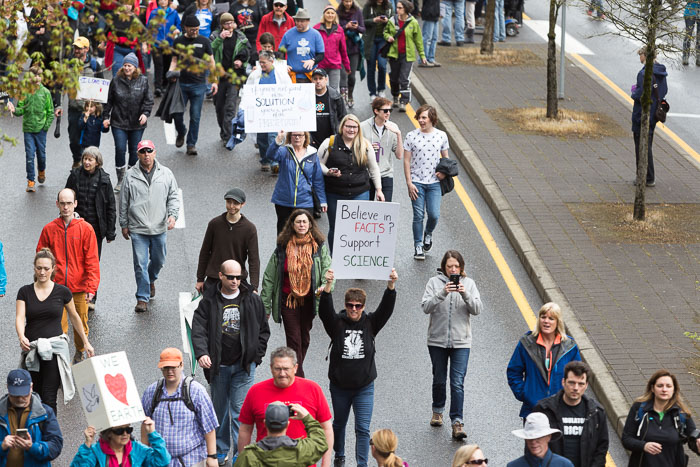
(450, 312)
(388, 143)
(145, 207)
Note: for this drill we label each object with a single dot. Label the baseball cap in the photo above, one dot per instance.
(235, 194)
(276, 416)
(19, 382)
(81, 42)
(170, 357)
(320, 71)
(284, 2)
(146, 143)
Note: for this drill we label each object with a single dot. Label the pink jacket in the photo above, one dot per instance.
(336, 53)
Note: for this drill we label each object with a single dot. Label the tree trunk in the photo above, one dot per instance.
(487, 38)
(552, 100)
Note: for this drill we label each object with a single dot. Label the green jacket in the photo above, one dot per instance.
(286, 452)
(414, 39)
(217, 45)
(37, 109)
(271, 293)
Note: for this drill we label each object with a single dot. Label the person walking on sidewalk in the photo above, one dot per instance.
(431, 20)
(276, 22)
(376, 14)
(447, 7)
(335, 57)
(658, 92)
(691, 15)
(385, 137)
(303, 46)
(148, 208)
(423, 149)
(406, 48)
(353, 25)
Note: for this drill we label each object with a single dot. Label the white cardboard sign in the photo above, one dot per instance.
(365, 239)
(93, 89)
(270, 108)
(107, 391)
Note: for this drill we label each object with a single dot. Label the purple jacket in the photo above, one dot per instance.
(345, 18)
(336, 55)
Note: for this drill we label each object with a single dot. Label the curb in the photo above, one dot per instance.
(603, 384)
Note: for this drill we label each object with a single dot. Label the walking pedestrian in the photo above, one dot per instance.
(691, 16)
(203, 11)
(537, 435)
(423, 148)
(74, 245)
(353, 25)
(192, 83)
(385, 137)
(431, 14)
(303, 46)
(659, 90)
(469, 12)
(22, 409)
(167, 31)
(447, 8)
(376, 14)
(404, 35)
(148, 208)
(248, 15)
(581, 419)
(287, 387)
(182, 413)
(121, 42)
(499, 22)
(276, 22)
(129, 104)
(229, 336)
(91, 126)
(293, 279)
(384, 444)
(450, 298)
(335, 57)
(229, 236)
(330, 108)
(536, 369)
(659, 423)
(349, 163)
(38, 314)
(469, 454)
(352, 369)
(3, 273)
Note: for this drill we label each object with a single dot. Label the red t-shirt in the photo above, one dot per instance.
(303, 391)
(402, 39)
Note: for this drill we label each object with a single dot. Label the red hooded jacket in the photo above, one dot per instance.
(267, 24)
(75, 249)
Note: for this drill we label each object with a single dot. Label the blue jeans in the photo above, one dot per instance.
(362, 402)
(430, 39)
(376, 64)
(499, 23)
(429, 198)
(228, 390)
(194, 93)
(121, 139)
(332, 200)
(149, 258)
(118, 60)
(264, 141)
(458, 358)
(458, 7)
(35, 144)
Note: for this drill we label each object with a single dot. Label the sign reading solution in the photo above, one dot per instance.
(270, 108)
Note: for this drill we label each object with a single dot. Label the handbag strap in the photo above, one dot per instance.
(405, 23)
(289, 150)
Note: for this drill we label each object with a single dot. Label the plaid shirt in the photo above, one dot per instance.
(182, 429)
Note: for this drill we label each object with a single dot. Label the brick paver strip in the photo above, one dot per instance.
(627, 305)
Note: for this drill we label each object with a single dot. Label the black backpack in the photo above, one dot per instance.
(184, 394)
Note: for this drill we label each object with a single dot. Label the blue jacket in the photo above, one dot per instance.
(660, 79)
(141, 455)
(44, 430)
(292, 189)
(527, 375)
(549, 460)
(3, 273)
(91, 131)
(171, 19)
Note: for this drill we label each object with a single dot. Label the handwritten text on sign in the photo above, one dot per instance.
(273, 107)
(94, 89)
(365, 239)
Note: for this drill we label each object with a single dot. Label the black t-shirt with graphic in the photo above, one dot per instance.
(572, 418)
(231, 348)
(323, 120)
(44, 317)
(202, 46)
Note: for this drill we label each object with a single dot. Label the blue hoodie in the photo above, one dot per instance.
(171, 19)
(660, 79)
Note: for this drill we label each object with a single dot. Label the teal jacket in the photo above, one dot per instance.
(141, 455)
(414, 39)
(37, 110)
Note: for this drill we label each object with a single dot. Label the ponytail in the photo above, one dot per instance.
(393, 461)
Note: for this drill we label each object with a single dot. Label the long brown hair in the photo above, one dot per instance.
(134, 75)
(677, 397)
(288, 230)
(456, 255)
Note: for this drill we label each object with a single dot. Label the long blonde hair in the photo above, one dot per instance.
(463, 454)
(359, 145)
(385, 443)
(554, 310)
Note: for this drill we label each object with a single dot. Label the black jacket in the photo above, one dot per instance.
(450, 169)
(206, 328)
(105, 204)
(430, 10)
(352, 363)
(126, 101)
(594, 439)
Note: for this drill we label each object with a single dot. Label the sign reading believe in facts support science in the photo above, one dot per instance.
(93, 89)
(365, 239)
(270, 108)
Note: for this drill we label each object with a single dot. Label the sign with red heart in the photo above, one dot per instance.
(117, 387)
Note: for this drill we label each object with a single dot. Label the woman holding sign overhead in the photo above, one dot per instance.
(348, 162)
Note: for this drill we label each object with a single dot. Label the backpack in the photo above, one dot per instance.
(678, 420)
(184, 394)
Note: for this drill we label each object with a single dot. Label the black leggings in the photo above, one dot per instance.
(47, 381)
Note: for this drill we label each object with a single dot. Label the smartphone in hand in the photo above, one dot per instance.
(22, 433)
(454, 278)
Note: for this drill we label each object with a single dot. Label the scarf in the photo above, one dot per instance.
(17, 416)
(299, 264)
(112, 457)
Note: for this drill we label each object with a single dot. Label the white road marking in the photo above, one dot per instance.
(180, 223)
(573, 45)
(683, 115)
(170, 132)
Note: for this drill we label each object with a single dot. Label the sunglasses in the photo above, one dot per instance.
(386, 111)
(120, 431)
(231, 277)
(146, 150)
(354, 306)
(478, 462)
(279, 5)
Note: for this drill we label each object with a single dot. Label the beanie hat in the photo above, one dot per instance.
(131, 60)
(191, 21)
(225, 17)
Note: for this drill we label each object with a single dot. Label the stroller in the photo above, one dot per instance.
(513, 14)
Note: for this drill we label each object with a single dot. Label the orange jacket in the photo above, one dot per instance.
(75, 249)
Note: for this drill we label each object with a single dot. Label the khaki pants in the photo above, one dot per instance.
(81, 307)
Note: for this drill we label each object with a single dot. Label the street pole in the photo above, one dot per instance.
(562, 59)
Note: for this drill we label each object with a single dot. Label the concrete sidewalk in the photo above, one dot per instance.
(626, 304)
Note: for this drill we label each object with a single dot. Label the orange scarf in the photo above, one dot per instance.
(299, 263)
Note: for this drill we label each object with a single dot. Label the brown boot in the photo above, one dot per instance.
(141, 306)
(436, 420)
(153, 289)
(458, 431)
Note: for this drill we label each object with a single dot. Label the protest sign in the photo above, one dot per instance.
(365, 239)
(93, 89)
(107, 391)
(270, 108)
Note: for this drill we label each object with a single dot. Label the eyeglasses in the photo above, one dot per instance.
(386, 111)
(167, 369)
(121, 431)
(231, 277)
(354, 306)
(371, 442)
(478, 462)
(298, 136)
(353, 127)
(146, 150)
(280, 369)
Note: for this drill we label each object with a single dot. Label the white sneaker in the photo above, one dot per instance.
(419, 253)
(381, 94)
(372, 97)
(427, 242)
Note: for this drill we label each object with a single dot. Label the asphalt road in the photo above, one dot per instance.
(403, 388)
